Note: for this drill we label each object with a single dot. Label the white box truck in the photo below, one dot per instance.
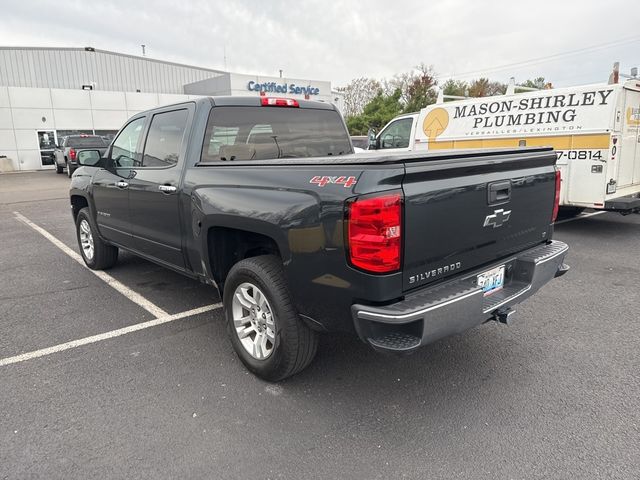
(595, 130)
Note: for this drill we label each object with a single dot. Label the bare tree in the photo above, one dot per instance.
(399, 81)
(417, 87)
(358, 93)
(421, 91)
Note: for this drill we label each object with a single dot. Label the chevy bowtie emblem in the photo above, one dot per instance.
(497, 218)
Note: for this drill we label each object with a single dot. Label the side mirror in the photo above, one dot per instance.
(373, 142)
(89, 158)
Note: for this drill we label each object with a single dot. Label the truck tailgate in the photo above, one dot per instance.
(467, 213)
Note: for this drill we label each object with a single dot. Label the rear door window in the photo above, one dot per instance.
(164, 141)
(260, 133)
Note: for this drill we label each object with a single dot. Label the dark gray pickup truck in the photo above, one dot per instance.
(264, 199)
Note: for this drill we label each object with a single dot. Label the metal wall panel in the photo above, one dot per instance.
(73, 67)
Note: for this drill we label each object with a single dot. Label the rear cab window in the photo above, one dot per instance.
(261, 133)
(88, 141)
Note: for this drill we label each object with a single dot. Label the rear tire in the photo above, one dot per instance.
(97, 255)
(289, 344)
(70, 169)
(59, 169)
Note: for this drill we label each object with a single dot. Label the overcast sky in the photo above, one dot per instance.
(337, 41)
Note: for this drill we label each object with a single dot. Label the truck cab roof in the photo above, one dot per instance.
(244, 101)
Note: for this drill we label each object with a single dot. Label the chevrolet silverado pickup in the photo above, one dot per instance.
(263, 199)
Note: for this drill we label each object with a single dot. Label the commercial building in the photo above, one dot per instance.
(47, 93)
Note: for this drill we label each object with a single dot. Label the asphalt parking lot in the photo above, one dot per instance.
(557, 395)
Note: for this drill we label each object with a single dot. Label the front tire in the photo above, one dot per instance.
(97, 255)
(263, 325)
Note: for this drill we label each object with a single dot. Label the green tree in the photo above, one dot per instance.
(535, 83)
(376, 113)
(540, 83)
(371, 103)
(483, 87)
(455, 87)
(480, 87)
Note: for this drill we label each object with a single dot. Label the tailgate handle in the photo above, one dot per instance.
(499, 192)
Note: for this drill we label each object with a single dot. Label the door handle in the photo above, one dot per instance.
(167, 188)
(121, 184)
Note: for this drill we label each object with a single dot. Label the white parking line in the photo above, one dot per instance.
(136, 298)
(159, 313)
(579, 217)
(104, 336)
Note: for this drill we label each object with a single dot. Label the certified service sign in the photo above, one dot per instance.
(290, 88)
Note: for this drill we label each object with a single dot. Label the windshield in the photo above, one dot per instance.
(94, 141)
(260, 133)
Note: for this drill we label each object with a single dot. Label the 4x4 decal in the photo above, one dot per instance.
(346, 182)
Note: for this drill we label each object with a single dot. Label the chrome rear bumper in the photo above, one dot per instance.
(436, 312)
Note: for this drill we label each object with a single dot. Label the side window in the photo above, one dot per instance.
(397, 135)
(124, 152)
(164, 141)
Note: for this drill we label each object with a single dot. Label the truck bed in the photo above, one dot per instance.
(375, 157)
(446, 203)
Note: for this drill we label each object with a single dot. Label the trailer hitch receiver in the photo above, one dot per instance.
(504, 315)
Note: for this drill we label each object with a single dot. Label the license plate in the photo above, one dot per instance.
(491, 281)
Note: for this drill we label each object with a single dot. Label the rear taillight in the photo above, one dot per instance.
(374, 233)
(556, 201)
(278, 102)
(72, 154)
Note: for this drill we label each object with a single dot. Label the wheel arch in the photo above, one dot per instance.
(225, 246)
(78, 202)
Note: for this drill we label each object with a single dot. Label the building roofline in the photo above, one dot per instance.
(137, 57)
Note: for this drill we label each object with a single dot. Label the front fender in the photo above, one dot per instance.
(81, 187)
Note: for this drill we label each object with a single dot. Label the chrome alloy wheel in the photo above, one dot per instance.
(253, 321)
(86, 240)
